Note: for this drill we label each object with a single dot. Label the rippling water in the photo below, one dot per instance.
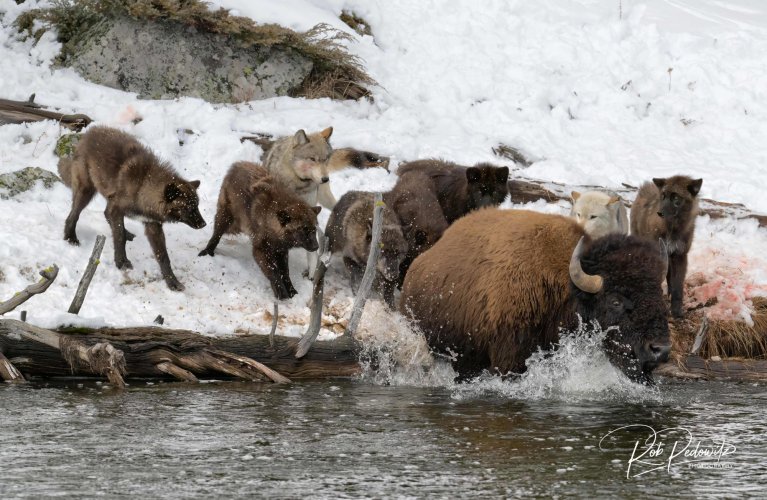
(354, 438)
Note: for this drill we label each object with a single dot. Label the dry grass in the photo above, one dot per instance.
(725, 338)
(336, 73)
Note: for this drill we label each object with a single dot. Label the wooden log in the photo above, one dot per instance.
(90, 270)
(525, 190)
(49, 275)
(28, 111)
(695, 367)
(149, 352)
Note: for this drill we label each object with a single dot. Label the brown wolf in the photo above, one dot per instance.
(462, 189)
(419, 213)
(349, 231)
(666, 209)
(253, 202)
(300, 162)
(136, 184)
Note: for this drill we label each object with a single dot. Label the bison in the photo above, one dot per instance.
(500, 283)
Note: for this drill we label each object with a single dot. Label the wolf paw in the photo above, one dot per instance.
(129, 236)
(174, 284)
(72, 240)
(207, 251)
(124, 264)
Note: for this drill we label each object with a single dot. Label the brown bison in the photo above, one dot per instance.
(500, 283)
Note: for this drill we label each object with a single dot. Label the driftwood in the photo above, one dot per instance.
(85, 281)
(28, 111)
(49, 275)
(524, 190)
(154, 352)
(695, 367)
(318, 292)
(370, 268)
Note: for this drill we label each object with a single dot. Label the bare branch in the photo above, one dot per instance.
(8, 372)
(370, 268)
(700, 337)
(49, 275)
(176, 371)
(315, 319)
(85, 281)
(275, 315)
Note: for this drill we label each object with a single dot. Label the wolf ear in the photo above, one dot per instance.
(317, 210)
(659, 182)
(327, 133)
(473, 174)
(301, 138)
(613, 199)
(284, 217)
(694, 187)
(171, 192)
(502, 174)
(195, 184)
(575, 195)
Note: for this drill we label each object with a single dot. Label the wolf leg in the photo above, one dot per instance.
(677, 269)
(270, 267)
(325, 196)
(81, 196)
(156, 237)
(223, 222)
(116, 219)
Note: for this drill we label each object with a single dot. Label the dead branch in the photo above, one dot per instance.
(370, 268)
(8, 372)
(275, 315)
(28, 111)
(85, 281)
(700, 337)
(315, 318)
(48, 274)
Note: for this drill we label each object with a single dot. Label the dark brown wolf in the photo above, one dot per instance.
(253, 202)
(136, 184)
(349, 232)
(462, 189)
(666, 209)
(419, 212)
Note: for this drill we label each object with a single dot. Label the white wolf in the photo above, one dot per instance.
(600, 213)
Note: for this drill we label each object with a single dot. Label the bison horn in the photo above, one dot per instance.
(586, 282)
(664, 256)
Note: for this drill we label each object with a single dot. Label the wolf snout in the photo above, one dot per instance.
(325, 179)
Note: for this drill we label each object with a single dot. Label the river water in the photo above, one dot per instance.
(354, 438)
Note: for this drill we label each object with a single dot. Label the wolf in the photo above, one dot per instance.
(255, 203)
(461, 189)
(349, 231)
(300, 161)
(666, 209)
(135, 184)
(600, 213)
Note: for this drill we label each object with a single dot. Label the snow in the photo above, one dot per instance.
(569, 83)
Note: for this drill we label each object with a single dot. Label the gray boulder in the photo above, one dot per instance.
(164, 60)
(25, 179)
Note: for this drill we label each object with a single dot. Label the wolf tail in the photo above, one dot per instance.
(65, 171)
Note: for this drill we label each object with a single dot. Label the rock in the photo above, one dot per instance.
(23, 180)
(65, 146)
(165, 60)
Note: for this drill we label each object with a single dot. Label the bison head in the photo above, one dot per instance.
(618, 283)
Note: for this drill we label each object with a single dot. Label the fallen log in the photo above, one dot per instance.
(154, 352)
(524, 190)
(28, 111)
(695, 367)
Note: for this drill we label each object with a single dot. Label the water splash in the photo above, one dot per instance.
(577, 369)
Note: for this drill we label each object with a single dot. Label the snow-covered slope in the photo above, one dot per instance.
(671, 87)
